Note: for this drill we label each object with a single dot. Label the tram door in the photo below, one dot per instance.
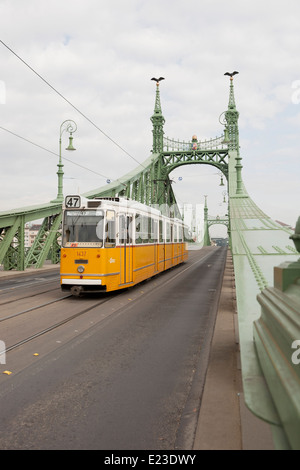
(126, 249)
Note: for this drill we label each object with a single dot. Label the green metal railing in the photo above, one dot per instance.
(12, 239)
(277, 341)
(267, 327)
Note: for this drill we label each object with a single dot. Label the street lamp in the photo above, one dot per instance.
(223, 121)
(71, 127)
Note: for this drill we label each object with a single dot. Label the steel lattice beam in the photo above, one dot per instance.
(12, 240)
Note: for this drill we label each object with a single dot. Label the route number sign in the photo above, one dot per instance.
(72, 201)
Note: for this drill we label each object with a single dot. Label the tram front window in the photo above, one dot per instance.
(83, 228)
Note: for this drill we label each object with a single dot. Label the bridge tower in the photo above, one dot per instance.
(206, 238)
(209, 221)
(231, 118)
(158, 121)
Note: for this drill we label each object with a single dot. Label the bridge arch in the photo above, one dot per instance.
(150, 183)
(212, 152)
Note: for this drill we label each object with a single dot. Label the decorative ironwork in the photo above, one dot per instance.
(172, 145)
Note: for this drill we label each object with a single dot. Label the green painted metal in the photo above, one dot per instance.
(44, 241)
(12, 246)
(258, 243)
(209, 221)
(71, 127)
(206, 238)
(277, 335)
(150, 183)
(217, 221)
(158, 124)
(12, 223)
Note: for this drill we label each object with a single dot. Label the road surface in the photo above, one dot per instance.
(126, 372)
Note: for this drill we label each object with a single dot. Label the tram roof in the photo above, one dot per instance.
(124, 204)
(117, 202)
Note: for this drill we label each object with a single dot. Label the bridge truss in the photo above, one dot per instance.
(13, 254)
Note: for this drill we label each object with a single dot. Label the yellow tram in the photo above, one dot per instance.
(113, 243)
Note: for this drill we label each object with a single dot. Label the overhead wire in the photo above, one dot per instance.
(53, 153)
(69, 102)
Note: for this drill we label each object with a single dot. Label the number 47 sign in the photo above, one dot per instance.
(72, 201)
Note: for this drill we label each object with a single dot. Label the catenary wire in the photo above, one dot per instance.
(69, 102)
(53, 153)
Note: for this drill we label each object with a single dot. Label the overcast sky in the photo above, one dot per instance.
(100, 55)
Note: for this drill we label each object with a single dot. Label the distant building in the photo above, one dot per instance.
(31, 231)
(193, 217)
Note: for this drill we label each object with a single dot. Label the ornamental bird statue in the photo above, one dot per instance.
(231, 74)
(157, 80)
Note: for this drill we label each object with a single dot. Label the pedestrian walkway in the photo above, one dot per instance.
(224, 421)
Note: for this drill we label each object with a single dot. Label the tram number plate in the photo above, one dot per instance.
(72, 201)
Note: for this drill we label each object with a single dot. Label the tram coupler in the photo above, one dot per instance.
(76, 290)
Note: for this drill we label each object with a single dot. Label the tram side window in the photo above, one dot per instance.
(145, 229)
(122, 229)
(152, 230)
(175, 233)
(110, 229)
(126, 229)
(161, 233)
(141, 229)
(168, 232)
(180, 233)
(155, 229)
(138, 228)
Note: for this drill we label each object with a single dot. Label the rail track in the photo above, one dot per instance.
(53, 326)
(10, 312)
(27, 324)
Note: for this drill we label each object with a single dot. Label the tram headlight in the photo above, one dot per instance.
(80, 269)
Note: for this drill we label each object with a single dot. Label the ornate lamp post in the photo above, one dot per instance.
(71, 127)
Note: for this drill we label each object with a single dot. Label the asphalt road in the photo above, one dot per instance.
(130, 381)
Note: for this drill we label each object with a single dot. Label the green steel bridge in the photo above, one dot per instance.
(265, 257)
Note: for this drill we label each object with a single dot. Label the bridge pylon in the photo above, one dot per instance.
(150, 182)
(209, 221)
(206, 238)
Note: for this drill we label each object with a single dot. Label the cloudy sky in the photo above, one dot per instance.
(100, 55)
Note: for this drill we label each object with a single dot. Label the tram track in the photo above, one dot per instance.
(54, 326)
(18, 285)
(7, 294)
(43, 316)
(13, 315)
(26, 297)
